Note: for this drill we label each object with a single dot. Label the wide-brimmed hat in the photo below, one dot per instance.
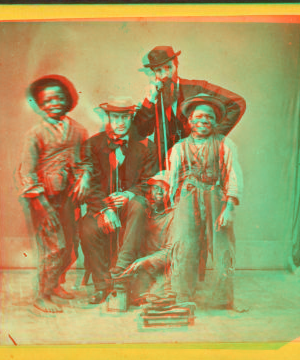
(161, 55)
(162, 176)
(118, 104)
(203, 99)
(54, 80)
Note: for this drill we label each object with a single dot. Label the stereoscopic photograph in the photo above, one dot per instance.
(150, 181)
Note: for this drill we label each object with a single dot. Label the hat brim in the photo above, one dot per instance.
(55, 80)
(188, 106)
(121, 109)
(154, 65)
(153, 181)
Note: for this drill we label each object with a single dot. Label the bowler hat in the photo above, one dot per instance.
(203, 99)
(160, 55)
(118, 104)
(55, 80)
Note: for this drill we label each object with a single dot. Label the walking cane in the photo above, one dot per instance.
(112, 235)
(117, 190)
(164, 130)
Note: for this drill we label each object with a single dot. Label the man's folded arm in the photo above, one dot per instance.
(234, 103)
(144, 119)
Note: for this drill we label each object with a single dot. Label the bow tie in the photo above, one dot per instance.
(115, 143)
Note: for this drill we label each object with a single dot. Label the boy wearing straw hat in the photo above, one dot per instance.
(205, 184)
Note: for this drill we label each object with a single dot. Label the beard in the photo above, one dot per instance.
(169, 92)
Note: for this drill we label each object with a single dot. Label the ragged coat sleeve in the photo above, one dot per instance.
(30, 184)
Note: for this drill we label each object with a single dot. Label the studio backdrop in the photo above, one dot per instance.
(259, 61)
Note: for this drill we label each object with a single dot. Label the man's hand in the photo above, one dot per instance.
(81, 187)
(226, 216)
(117, 200)
(154, 88)
(108, 221)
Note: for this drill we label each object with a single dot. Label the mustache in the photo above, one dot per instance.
(167, 82)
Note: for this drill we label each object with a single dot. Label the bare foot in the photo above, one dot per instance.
(62, 293)
(46, 305)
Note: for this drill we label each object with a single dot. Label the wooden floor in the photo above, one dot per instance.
(274, 316)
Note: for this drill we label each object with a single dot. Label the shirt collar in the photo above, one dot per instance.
(53, 121)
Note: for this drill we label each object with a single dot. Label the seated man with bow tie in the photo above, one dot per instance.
(114, 222)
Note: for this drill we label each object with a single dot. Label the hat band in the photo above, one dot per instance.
(155, 63)
(114, 108)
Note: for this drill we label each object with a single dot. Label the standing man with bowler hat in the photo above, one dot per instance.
(160, 112)
(115, 205)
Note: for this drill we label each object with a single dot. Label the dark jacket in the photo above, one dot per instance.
(139, 165)
(177, 128)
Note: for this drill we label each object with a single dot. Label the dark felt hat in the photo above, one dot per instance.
(161, 55)
(55, 80)
(203, 99)
(118, 104)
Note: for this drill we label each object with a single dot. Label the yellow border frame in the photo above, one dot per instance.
(93, 12)
(165, 12)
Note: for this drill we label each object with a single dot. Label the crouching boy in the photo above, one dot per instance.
(151, 270)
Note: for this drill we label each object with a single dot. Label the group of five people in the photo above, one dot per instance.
(155, 209)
